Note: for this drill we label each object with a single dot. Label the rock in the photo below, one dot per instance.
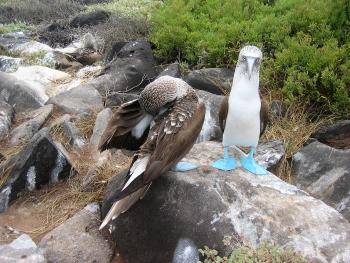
(79, 100)
(270, 154)
(38, 163)
(112, 53)
(87, 57)
(89, 19)
(208, 206)
(324, 172)
(172, 70)
(185, 251)
(31, 48)
(278, 110)
(41, 79)
(72, 133)
(6, 117)
(101, 123)
(10, 40)
(88, 71)
(211, 127)
(21, 250)
(20, 95)
(131, 70)
(214, 80)
(60, 61)
(26, 130)
(336, 135)
(9, 64)
(78, 240)
(116, 99)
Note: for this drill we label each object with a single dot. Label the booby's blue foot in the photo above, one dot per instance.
(250, 164)
(184, 167)
(226, 164)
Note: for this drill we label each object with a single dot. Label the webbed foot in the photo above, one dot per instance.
(184, 167)
(250, 165)
(226, 164)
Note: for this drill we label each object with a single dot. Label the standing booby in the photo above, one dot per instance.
(243, 115)
(166, 121)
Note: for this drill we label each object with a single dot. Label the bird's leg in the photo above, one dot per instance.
(250, 164)
(183, 167)
(226, 164)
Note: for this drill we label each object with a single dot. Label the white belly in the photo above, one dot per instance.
(242, 123)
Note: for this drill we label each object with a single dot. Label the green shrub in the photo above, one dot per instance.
(264, 253)
(306, 43)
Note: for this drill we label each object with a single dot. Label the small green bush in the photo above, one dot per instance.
(264, 253)
(306, 43)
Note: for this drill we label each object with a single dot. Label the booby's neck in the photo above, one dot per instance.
(244, 87)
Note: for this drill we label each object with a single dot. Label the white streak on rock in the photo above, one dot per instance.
(31, 176)
(5, 198)
(60, 163)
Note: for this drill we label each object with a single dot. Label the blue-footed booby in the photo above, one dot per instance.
(163, 123)
(243, 114)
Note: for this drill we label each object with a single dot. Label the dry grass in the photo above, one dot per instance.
(293, 129)
(86, 124)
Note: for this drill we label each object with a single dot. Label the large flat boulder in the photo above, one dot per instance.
(324, 172)
(207, 206)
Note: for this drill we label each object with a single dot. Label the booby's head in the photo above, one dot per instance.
(249, 60)
(161, 93)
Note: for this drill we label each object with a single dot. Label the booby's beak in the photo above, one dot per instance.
(250, 62)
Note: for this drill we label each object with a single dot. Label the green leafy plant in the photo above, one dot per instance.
(264, 253)
(306, 44)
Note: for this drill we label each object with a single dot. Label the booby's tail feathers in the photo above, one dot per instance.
(124, 204)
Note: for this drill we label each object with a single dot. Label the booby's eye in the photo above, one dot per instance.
(244, 58)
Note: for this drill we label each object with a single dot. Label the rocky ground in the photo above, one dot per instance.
(53, 112)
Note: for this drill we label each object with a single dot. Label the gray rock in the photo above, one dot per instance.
(21, 250)
(73, 134)
(324, 172)
(78, 240)
(6, 117)
(60, 61)
(38, 163)
(185, 251)
(214, 80)
(336, 135)
(278, 110)
(79, 100)
(9, 64)
(116, 99)
(26, 130)
(20, 95)
(211, 127)
(270, 154)
(101, 123)
(30, 48)
(209, 206)
(10, 40)
(172, 70)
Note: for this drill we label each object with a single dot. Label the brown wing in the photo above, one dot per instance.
(118, 131)
(264, 116)
(172, 136)
(223, 113)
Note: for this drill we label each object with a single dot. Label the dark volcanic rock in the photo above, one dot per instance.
(113, 52)
(131, 70)
(172, 70)
(207, 206)
(78, 240)
(278, 110)
(19, 94)
(79, 100)
(39, 162)
(324, 172)
(89, 19)
(336, 135)
(118, 98)
(214, 80)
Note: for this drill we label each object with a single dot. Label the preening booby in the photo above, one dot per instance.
(243, 115)
(165, 123)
